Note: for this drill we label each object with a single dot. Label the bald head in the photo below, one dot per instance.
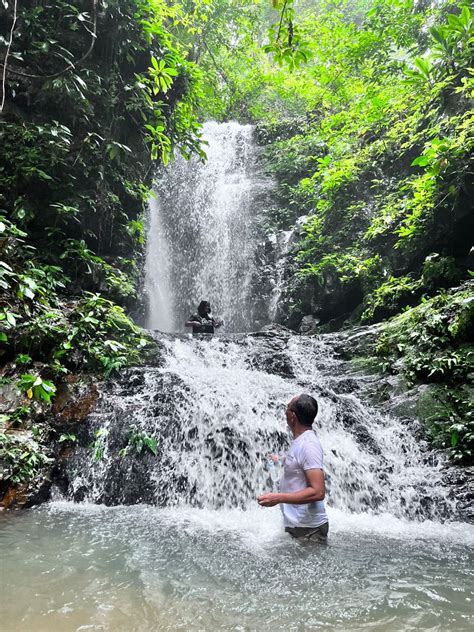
(305, 408)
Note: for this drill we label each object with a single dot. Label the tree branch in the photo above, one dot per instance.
(281, 20)
(71, 64)
(7, 54)
(221, 72)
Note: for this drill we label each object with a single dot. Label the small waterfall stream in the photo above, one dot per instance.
(203, 235)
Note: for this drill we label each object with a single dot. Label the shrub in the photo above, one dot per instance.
(390, 297)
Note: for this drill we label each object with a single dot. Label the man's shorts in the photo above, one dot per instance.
(318, 534)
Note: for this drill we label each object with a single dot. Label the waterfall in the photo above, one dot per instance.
(203, 233)
(216, 410)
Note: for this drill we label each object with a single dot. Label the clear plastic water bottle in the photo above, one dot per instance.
(271, 468)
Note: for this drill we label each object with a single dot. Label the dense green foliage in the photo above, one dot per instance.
(95, 93)
(20, 460)
(434, 343)
(382, 163)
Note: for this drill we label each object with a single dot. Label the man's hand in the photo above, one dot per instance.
(269, 500)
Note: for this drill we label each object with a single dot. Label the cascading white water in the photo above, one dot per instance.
(213, 406)
(203, 235)
(212, 559)
(216, 409)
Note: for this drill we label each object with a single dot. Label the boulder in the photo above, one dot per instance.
(75, 399)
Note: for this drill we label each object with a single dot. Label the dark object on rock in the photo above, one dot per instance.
(308, 324)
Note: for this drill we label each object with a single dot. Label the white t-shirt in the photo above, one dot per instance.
(305, 453)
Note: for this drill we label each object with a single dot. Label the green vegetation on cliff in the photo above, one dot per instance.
(381, 164)
(95, 93)
(432, 343)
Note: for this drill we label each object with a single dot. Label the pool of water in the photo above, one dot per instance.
(86, 567)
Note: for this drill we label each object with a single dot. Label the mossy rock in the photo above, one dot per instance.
(431, 403)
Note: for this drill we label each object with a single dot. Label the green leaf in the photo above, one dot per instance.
(43, 175)
(424, 66)
(454, 438)
(151, 445)
(436, 34)
(465, 16)
(421, 161)
(455, 23)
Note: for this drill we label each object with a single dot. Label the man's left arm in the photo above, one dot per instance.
(313, 492)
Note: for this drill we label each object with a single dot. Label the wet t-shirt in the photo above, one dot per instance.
(305, 453)
(207, 324)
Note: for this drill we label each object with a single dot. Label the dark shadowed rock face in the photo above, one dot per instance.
(25, 495)
(75, 400)
(460, 481)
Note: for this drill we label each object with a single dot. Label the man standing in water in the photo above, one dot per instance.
(302, 487)
(203, 322)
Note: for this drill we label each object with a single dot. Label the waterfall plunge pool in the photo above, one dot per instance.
(73, 566)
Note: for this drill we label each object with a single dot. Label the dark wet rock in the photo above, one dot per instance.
(278, 363)
(351, 420)
(10, 397)
(414, 427)
(344, 385)
(136, 379)
(75, 399)
(23, 496)
(364, 437)
(128, 482)
(358, 341)
(13, 496)
(460, 480)
(308, 324)
(272, 330)
(402, 405)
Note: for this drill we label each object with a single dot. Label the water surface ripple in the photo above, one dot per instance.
(87, 567)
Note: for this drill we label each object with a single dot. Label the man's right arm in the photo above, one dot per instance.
(314, 491)
(192, 323)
